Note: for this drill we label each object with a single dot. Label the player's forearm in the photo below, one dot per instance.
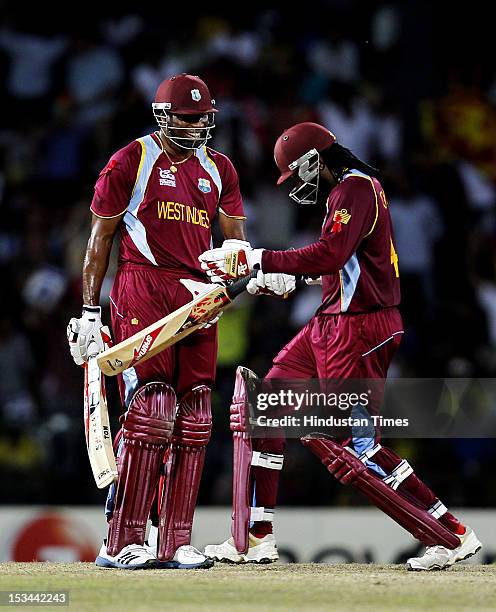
(315, 259)
(232, 228)
(95, 267)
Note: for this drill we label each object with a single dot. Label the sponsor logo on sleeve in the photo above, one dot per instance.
(339, 218)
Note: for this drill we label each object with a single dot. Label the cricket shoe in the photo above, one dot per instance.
(260, 550)
(187, 557)
(439, 557)
(131, 557)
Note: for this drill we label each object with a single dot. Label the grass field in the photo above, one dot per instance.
(274, 587)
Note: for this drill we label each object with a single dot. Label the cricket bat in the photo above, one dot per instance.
(209, 300)
(97, 426)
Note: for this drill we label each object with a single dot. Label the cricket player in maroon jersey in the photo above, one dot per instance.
(354, 334)
(160, 193)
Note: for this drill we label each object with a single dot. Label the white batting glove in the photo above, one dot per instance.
(272, 283)
(313, 281)
(234, 259)
(85, 331)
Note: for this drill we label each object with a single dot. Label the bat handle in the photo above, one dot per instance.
(240, 285)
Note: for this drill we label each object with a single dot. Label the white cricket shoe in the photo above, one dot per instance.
(131, 557)
(189, 557)
(186, 557)
(260, 550)
(439, 557)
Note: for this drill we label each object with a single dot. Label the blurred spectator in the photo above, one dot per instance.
(418, 227)
(350, 118)
(30, 76)
(94, 73)
(17, 372)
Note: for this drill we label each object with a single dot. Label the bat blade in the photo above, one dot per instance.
(164, 333)
(97, 427)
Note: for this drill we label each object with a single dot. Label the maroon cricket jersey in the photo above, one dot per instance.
(355, 254)
(167, 216)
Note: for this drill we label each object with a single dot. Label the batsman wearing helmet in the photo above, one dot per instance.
(161, 194)
(354, 334)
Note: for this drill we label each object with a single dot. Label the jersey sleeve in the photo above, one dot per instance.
(352, 215)
(231, 202)
(115, 184)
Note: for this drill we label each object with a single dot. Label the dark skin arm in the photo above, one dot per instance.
(232, 228)
(97, 257)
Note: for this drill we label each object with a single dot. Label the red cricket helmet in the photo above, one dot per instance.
(184, 94)
(187, 97)
(295, 142)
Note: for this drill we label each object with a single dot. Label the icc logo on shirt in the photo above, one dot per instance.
(204, 185)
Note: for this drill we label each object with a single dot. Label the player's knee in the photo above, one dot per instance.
(150, 417)
(193, 425)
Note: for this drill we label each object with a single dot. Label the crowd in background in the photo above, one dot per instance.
(388, 79)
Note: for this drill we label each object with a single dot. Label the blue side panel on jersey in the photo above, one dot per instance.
(150, 153)
(207, 164)
(135, 228)
(350, 273)
(137, 232)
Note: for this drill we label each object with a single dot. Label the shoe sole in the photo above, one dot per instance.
(445, 567)
(207, 564)
(467, 556)
(103, 563)
(434, 568)
(262, 561)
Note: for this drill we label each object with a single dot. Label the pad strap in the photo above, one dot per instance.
(437, 510)
(399, 474)
(259, 513)
(368, 454)
(267, 460)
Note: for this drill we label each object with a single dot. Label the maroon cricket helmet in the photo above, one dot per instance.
(296, 141)
(185, 94)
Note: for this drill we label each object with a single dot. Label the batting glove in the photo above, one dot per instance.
(85, 331)
(234, 259)
(272, 283)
